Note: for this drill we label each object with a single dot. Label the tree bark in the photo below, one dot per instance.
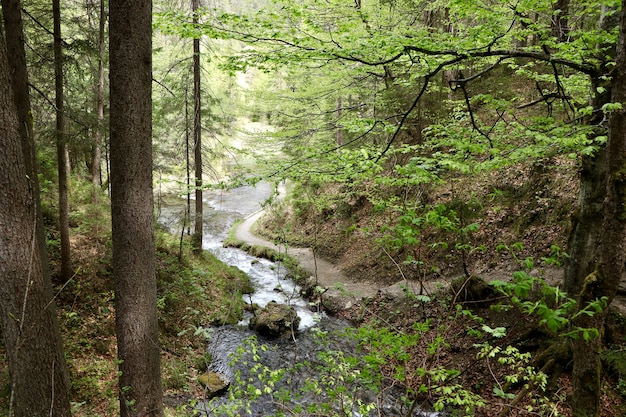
(39, 376)
(62, 154)
(587, 221)
(187, 164)
(197, 136)
(132, 204)
(604, 280)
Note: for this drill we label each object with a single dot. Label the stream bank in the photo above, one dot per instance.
(310, 368)
(320, 278)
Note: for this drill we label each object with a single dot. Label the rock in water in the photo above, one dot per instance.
(275, 320)
(215, 383)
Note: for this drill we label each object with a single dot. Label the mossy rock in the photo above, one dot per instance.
(274, 320)
(215, 383)
(473, 289)
(252, 308)
(237, 280)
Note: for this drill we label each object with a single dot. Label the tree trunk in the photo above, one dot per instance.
(604, 280)
(62, 154)
(97, 145)
(39, 377)
(340, 141)
(197, 136)
(12, 12)
(560, 20)
(587, 221)
(132, 204)
(187, 164)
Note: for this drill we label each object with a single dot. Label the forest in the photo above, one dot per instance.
(317, 208)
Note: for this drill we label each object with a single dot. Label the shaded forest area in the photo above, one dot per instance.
(472, 151)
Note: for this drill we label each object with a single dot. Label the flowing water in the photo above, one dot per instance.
(306, 369)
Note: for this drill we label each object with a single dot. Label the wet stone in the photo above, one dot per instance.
(214, 383)
(275, 320)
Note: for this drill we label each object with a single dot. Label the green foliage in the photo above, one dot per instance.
(519, 372)
(343, 382)
(388, 349)
(335, 390)
(615, 358)
(428, 231)
(195, 290)
(555, 312)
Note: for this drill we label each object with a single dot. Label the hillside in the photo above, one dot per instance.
(522, 216)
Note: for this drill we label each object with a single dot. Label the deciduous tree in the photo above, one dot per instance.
(542, 43)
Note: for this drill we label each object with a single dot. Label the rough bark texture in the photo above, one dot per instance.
(62, 153)
(604, 280)
(11, 10)
(12, 13)
(132, 208)
(39, 377)
(587, 221)
(197, 137)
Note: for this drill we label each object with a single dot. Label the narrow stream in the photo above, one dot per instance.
(277, 377)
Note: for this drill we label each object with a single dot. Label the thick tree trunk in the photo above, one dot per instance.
(197, 136)
(587, 221)
(604, 280)
(97, 145)
(62, 154)
(132, 205)
(39, 377)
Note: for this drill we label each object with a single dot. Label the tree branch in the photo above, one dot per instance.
(509, 53)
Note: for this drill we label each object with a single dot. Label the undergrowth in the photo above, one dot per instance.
(193, 292)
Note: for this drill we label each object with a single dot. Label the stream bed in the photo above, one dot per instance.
(302, 374)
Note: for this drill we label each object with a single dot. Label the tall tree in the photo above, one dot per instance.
(97, 145)
(62, 149)
(132, 203)
(604, 279)
(39, 377)
(587, 221)
(197, 134)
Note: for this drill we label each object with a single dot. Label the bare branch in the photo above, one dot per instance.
(509, 53)
(543, 98)
(473, 120)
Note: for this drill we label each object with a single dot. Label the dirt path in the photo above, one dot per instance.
(342, 291)
(340, 288)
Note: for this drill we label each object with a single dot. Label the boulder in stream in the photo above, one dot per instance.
(215, 383)
(275, 319)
